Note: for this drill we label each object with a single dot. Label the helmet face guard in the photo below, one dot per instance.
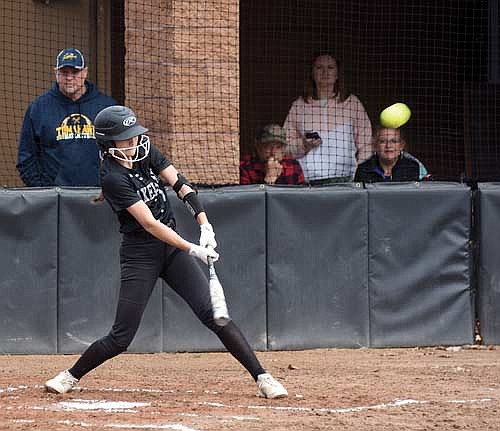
(141, 150)
(119, 123)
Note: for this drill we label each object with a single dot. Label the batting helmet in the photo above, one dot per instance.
(118, 123)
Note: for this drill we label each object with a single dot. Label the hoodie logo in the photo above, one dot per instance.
(76, 126)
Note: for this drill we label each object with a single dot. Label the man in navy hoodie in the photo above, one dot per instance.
(57, 145)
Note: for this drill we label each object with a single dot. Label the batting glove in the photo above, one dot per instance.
(207, 236)
(203, 253)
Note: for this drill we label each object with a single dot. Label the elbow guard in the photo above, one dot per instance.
(181, 181)
(191, 200)
(193, 204)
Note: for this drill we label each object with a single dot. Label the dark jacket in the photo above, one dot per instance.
(405, 169)
(57, 145)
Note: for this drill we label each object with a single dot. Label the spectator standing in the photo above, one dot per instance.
(328, 129)
(57, 145)
(269, 164)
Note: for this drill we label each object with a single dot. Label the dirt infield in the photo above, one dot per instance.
(330, 389)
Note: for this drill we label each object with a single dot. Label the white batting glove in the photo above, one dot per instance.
(207, 236)
(203, 253)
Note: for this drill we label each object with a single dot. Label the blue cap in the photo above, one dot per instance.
(70, 57)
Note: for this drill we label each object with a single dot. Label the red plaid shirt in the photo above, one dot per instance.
(252, 171)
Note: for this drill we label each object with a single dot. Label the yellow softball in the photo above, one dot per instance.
(395, 115)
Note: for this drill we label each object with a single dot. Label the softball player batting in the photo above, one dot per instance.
(133, 177)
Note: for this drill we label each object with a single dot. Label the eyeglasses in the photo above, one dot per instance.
(68, 72)
(388, 141)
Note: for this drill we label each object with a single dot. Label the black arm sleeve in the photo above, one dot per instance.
(193, 204)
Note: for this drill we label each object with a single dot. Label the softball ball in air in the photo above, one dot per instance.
(395, 115)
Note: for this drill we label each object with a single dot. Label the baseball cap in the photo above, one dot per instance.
(271, 133)
(70, 57)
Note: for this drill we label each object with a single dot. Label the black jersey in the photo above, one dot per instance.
(123, 187)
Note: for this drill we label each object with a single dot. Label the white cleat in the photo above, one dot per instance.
(62, 383)
(269, 387)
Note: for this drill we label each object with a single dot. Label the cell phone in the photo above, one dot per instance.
(312, 135)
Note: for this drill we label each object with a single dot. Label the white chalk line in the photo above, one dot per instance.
(126, 390)
(13, 388)
(131, 407)
(129, 390)
(177, 427)
(101, 405)
(236, 418)
(395, 403)
(174, 426)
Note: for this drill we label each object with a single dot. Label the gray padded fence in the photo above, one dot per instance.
(89, 276)
(88, 287)
(317, 267)
(238, 217)
(28, 268)
(488, 213)
(336, 266)
(420, 264)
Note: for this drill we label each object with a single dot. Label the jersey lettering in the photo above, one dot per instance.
(149, 192)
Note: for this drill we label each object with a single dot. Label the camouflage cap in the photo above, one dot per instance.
(271, 133)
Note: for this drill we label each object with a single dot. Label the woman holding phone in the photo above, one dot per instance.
(328, 129)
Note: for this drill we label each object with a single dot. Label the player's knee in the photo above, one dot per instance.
(108, 347)
(206, 317)
(119, 342)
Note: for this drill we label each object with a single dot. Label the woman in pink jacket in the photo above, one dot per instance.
(328, 129)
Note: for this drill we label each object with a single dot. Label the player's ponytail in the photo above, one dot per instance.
(98, 199)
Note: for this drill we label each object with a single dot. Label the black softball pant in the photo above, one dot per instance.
(143, 259)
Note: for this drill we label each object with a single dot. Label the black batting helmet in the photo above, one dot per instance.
(119, 123)
(116, 123)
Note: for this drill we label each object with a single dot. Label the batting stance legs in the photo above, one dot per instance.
(142, 262)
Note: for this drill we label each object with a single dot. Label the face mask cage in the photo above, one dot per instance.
(141, 151)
